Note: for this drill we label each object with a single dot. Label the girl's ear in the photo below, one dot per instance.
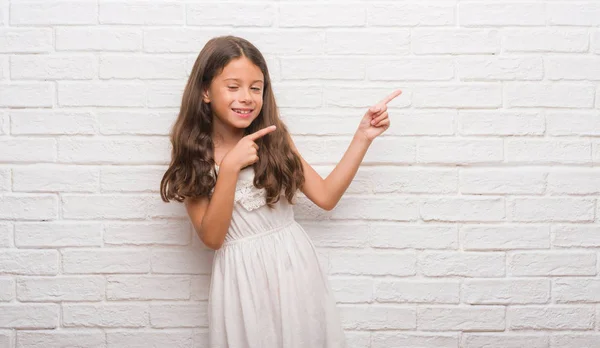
(205, 97)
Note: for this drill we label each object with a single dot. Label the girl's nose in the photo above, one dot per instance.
(245, 96)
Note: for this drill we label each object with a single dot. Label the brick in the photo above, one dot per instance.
(58, 234)
(595, 42)
(502, 340)
(53, 13)
(488, 122)
(414, 180)
(147, 288)
(362, 97)
(573, 290)
(573, 68)
(145, 67)
(574, 13)
(294, 68)
(389, 208)
(569, 340)
(60, 289)
(473, 14)
(105, 261)
(104, 93)
(422, 122)
(455, 41)
(147, 122)
(570, 122)
(410, 14)
(130, 179)
(26, 94)
(372, 263)
(27, 150)
(552, 263)
(352, 289)
(488, 318)
(25, 40)
(105, 206)
(372, 42)
(462, 264)
(142, 13)
(7, 289)
(181, 261)
(545, 40)
(294, 96)
(551, 209)
(320, 15)
(505, 291)
(555, 95)
(232, 14)
(200, 287)
(504, 237)
(114, 315)
(178, 315)
(383, 339)
(410, 69)
(573, 235)
(29, 316)
(114, 150)
(159, 338)
(550, 318)
(537, 151)
(47, 122)
(574, 181)
(164, 94)
(502, 181)
(5, 179)
(28, 262)
(286, 42)
(98, 39)
(61, 338)
(500, 68)
(463, 209)
(177, 40)
(145, 233)
(459, 151)
(357, 317)
(28, 207)
(403, 236)
(338, 234)
(417, 291)
(464, 95)
(53, 67)
(55, 178)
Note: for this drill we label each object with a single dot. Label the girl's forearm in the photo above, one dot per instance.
(339, 179)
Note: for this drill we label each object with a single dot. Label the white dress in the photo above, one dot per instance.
(268, 289)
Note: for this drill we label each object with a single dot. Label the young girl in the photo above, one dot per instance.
(237, 170)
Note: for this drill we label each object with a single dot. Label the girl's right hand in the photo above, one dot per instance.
(245, 151)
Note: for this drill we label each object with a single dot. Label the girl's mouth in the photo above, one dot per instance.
(244, 113)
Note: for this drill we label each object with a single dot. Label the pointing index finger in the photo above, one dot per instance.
(261, 132)
(390, 97)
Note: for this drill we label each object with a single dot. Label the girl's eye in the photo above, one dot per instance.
(256, 89)
(232, 87)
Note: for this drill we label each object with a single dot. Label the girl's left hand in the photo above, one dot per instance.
(376, 120)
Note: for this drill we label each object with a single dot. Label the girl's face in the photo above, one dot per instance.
(236, 94)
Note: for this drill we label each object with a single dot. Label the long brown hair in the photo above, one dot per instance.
(190, 173)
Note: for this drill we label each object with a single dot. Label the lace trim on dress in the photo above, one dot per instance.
(248, 195)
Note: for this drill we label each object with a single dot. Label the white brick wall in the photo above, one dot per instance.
(472, 223)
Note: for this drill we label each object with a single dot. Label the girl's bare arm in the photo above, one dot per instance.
(211, 218)
(327, 192)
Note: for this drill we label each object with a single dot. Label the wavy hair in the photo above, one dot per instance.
(191, 171)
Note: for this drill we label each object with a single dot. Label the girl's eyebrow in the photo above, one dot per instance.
(237, 80)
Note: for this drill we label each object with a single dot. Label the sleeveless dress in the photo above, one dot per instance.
(268, 289)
